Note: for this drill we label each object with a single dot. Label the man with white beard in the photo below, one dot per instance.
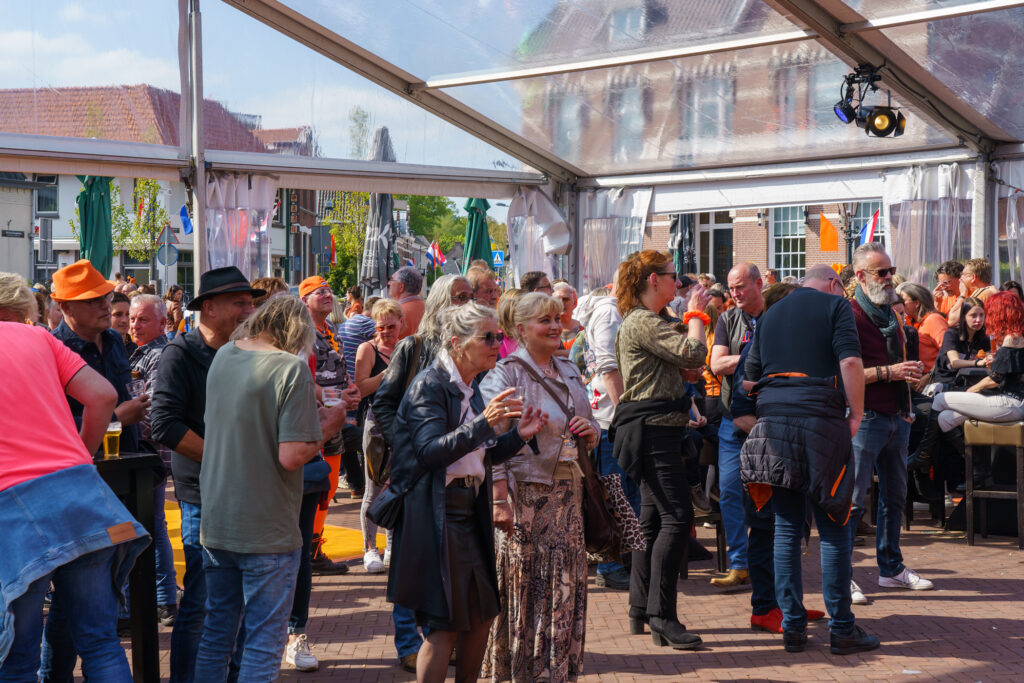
(882, 439)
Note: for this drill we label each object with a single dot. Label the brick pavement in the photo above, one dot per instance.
(968, 629)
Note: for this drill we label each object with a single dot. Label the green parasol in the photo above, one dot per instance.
(477, 244)
(94, 221)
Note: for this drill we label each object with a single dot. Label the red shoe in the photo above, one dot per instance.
(772, 621)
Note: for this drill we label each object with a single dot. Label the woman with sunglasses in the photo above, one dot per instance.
(445, 445)
(650, 426)
(542, 560)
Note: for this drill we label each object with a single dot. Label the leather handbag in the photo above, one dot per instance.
(375, 447)
(386, 508)
(602, 532)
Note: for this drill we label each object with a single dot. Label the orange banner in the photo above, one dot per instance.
(829, 235)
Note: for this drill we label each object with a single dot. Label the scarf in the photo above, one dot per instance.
(885, 319)
(329, 336)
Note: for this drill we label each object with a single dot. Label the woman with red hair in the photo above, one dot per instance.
(1004, 319)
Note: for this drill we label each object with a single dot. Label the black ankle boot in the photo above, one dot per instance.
(637, 618)
(673, 634)
(921, 459)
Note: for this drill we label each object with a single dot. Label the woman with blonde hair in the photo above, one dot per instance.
(651, 424)
(506, 320)
(255, 449)
(542, 565)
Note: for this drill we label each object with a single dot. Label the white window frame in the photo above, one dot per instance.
(865, 209)
(789, 240)
(44, 178)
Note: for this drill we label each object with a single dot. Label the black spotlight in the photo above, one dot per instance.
(880, 121)
(845, 111)
(901, 124)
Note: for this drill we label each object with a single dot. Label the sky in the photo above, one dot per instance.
(253, 69)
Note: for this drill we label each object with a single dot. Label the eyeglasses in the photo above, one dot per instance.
(882, 272)
(674, 275)
(462, 298)
(491, 338)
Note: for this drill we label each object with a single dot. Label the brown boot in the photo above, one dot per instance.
(735, 577)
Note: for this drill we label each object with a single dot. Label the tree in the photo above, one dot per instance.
(347, 219)
(358, 132)
(426, 214)
(498, 233)
(137, 227)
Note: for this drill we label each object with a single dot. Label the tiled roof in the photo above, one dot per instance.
(135, 113)
(269, 136)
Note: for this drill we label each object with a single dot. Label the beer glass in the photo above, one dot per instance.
(112, 440)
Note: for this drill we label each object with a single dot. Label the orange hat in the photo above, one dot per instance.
(78, 282)
(311, 284)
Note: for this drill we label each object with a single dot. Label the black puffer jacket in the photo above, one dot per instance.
(801, 441)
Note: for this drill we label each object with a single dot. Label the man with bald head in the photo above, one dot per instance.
(734, 330)
(822, 278)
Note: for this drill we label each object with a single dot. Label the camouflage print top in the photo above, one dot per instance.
(330, 372)
(650, 352)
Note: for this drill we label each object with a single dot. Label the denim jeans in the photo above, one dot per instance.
(790, 508)
(761, 554)
(881, 445)
(304, 578)
(609, 465)
(257, 588)
(188, 625)
(666, 516)
(166, 581)
(407, 638)
(730, 487)
(83, 618)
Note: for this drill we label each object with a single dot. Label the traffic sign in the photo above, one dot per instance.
(167, 236)
(499, 259)
(167, 254)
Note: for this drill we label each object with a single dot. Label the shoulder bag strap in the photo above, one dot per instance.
(569, 414)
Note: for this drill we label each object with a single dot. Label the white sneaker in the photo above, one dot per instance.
(857, 595)
(907, 578)
(387, 557)
(298, 655)
(372, 562)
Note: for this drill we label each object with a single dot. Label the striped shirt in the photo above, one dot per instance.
(353, 332)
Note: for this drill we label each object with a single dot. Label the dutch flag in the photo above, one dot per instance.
(867, 232)
(435, 255)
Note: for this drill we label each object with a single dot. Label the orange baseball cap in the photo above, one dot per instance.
(311, 284)
(78, 282)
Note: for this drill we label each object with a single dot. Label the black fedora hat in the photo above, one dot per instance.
(226, 280)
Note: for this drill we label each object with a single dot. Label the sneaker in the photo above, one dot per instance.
(297, 654)
(701, 502)
(857, 595)
(617, 580)
(856, 641)
(794, 641)
(372, 562)
(324, 566)
(387, 557)
(165, 614)
(907, 578)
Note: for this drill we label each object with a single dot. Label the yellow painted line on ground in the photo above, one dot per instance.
(341, 543)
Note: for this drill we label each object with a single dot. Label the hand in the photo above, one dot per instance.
(854, 422)
(531, 423)
(350, 396)
(133, 411)
(503, 406)
(699, 299)
(503, 516)
(922, 383)
(911, 370)
(582, 429)
(698, 423)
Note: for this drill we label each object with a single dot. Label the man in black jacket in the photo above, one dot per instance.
(179, 405)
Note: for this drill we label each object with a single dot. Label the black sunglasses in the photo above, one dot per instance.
(491, 338)
(882, 272)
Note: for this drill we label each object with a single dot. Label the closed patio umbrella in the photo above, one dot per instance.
(478, 239)
(95, 223)
(379, 244)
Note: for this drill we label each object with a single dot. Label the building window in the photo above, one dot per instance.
(862, 219)
(826, 89)
(626, 26)
(628, 116)
(789, 238)
(46, 197)
(568, 124)
(784, 84)
(706, 117)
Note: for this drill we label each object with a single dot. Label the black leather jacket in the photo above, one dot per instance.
(428, 438)
(392, 385)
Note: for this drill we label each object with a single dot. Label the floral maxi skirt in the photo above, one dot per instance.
(542, 586)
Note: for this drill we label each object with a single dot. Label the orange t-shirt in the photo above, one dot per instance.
(930, 332)
(39, 435)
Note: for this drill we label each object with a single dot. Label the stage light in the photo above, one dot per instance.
(901, 124)
(879, 121)
(845, 111)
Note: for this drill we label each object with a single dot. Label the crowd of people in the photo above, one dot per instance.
(474, 414)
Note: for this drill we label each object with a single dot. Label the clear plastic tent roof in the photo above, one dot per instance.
(572, 88)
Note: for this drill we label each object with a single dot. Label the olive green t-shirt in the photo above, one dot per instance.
(255, 400)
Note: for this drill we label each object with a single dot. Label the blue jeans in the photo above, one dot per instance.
(304, 578)
(881, 445)
(83, 617)
(407, 638)
(188, 625)
(761, 554)
(609, 465)
(257, 588)
(166, 581)
(730, 488)
(790, 508)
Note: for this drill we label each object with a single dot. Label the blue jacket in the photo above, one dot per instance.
(49, 521)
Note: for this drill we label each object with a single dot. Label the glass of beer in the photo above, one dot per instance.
(331, 396)
(112, 440)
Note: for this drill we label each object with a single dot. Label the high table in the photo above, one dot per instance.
(132, 476)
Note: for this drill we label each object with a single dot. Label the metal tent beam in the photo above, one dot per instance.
(385, 74)
(930, 15)
(923, 91)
